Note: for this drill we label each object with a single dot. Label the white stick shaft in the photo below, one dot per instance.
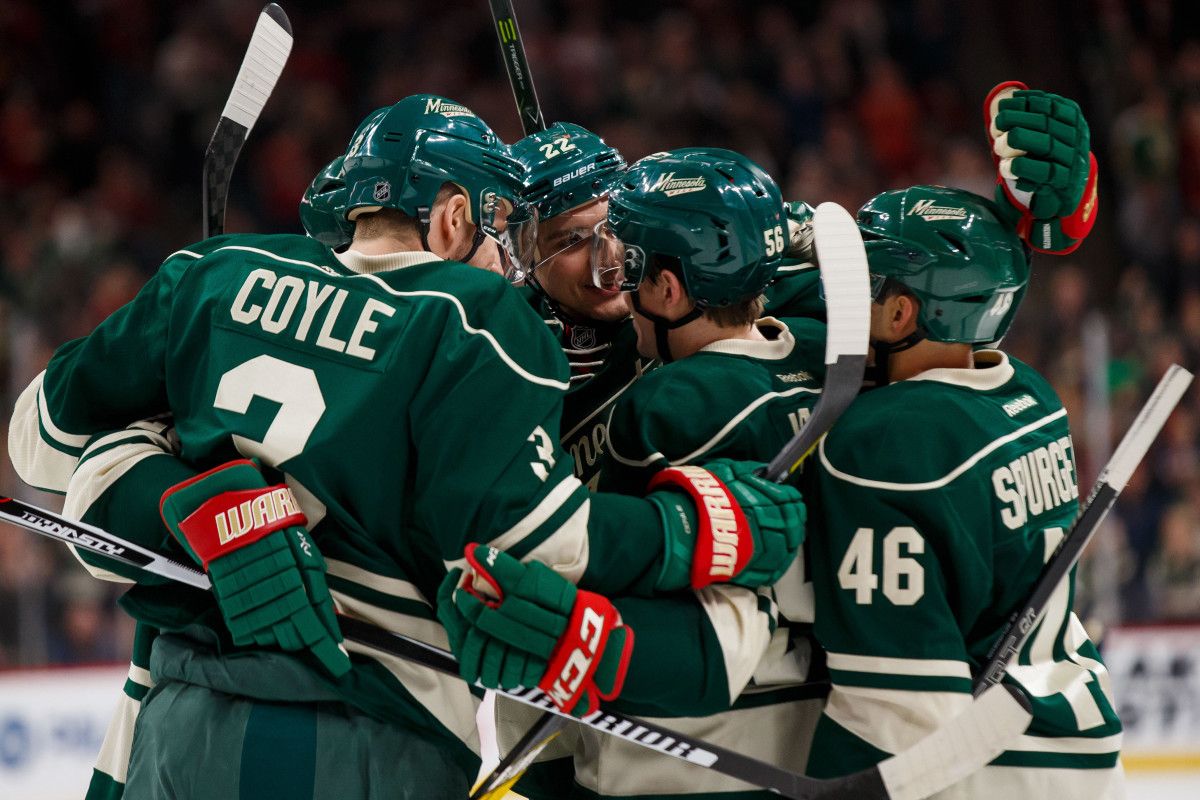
(1145, 428)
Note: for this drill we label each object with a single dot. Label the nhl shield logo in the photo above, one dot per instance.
(583, 338)
(383, 191)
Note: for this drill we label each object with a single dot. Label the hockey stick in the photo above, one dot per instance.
(267, 53)
(1112, 480)
(974, 737)
(512, 51)
(845, 281)
(844, 277)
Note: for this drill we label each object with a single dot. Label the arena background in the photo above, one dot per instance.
(106, 107)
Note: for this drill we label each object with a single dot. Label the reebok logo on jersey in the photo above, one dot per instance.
(1022, 403)
(795, 377)
(669, 185)
(572, 175)
(925, 209)
(251, 515)
(447, 109)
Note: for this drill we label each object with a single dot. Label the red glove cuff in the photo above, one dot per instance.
(232, 520)
(577, 655)
(724, 544)
(1078, 224)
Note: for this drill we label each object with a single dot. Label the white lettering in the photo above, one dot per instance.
(367, 325)
(240, 312)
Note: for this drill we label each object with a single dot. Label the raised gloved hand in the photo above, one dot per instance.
(1047, 174)
(521, 625)
(725, 524)
(266, 571)
(800, 230)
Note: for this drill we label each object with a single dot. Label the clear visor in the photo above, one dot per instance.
(616, 266)
(517, 242)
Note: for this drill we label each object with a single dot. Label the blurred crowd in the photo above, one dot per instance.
(106, 107)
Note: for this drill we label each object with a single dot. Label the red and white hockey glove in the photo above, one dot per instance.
(516, 625)
(266, 571)
(724, 524)
(1046, 174)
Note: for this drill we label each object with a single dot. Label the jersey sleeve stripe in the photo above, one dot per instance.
(113, 759)
(1066, 744)
(382, 584)
(948, 477)
(948, 668)
(71, 440)
(35, 458)
(891, 720)
(566, 550)
(189, 253)
(543, 511)
(742, 629)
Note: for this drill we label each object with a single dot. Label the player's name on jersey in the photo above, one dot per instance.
(1036, 482)
(309, 311)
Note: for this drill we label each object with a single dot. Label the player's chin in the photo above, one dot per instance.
(605, 304)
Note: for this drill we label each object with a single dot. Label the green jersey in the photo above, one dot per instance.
(412, 405)
(604, 362)
(938, 499)
(735, 398)
(794, 291)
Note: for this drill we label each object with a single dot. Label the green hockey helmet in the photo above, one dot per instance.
(400, 159)
(321, 207)
(715, 212)
(566, 166)
(952, 251)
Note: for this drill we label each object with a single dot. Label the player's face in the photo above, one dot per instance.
(491, 255)
(565, 271)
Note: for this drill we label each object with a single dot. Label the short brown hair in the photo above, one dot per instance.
(736, 315)
(390, 221)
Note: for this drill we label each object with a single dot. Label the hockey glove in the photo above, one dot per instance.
(1047, 176)
(266, 571)
(724, 524)
(519, 625)
(800, 231)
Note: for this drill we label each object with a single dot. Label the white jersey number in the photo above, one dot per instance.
(903, 576)
(301, 405)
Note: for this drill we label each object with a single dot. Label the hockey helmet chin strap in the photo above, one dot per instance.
(663, 326)
(877, 374)
(423, 223)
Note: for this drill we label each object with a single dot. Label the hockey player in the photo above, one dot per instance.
(938, 497)
(276, 348)
(568, 170)
(736, 385)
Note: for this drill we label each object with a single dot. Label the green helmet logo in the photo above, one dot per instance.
(321, 207)
(565, 166)
(952, 251)
(714, 211)
(402, 155)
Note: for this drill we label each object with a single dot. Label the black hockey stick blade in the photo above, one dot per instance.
(512, 52)
(845, 280)
(265, 57)
(973, 738)
(1116, 473)
(91, 538)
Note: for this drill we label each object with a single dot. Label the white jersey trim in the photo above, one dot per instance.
(469, 328)
(769, 350)
(36, 461)
(549, 504)
(801, 267)
(922, 667)
(948, 477)
(999, 373)
(140, 676)
(56, 433)
(714, 440)
(742, 630)
(1066, 744)
(394, 587)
